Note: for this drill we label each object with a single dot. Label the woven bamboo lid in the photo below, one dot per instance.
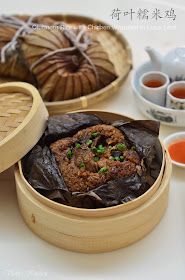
(23, 119)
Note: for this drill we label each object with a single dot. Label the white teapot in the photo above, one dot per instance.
(172, 64)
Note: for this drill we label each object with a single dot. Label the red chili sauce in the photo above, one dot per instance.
(177, 151)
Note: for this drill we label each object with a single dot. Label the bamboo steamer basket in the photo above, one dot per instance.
(119, 52)
(94, 230)
(22, 117)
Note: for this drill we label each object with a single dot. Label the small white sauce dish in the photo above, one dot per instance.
(172, 138)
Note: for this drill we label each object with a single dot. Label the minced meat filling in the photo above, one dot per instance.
(94, 156)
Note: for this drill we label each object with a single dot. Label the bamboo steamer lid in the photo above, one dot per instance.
(23, 119)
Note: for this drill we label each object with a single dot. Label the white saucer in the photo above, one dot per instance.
(150, 110)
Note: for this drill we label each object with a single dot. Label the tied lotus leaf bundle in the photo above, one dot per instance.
(12, 64)
(62, 61)
(67, 63)
(82, 161)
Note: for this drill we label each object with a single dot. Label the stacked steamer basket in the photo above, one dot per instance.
(76, 229)
(92, 231)
(118, 50)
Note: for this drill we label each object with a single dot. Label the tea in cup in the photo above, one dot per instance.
(176, 95)
(153, 87)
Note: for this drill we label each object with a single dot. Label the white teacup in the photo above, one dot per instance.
(175, 102)
(153, 86)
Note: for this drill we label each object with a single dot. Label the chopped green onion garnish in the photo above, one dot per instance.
(133, 148)
(96, 159)
(89, 142)
(95, 134)
(78, 146)
(121, 147)
(100, 146)
(93, 149)
(103, 170)
(100, 149)
(121, 158)
(69, 154)
(82, 165)
(117, 158)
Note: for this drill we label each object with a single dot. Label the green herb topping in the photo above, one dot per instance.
(95, 134)
(121, 158)
(78, 146)
(82, 165)
(89, 142)
(96, 159)
(93, 149)
(103, 170)
(69, 154)
(116, 158)
(100, 149)
(121, 146)
(133, 148)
